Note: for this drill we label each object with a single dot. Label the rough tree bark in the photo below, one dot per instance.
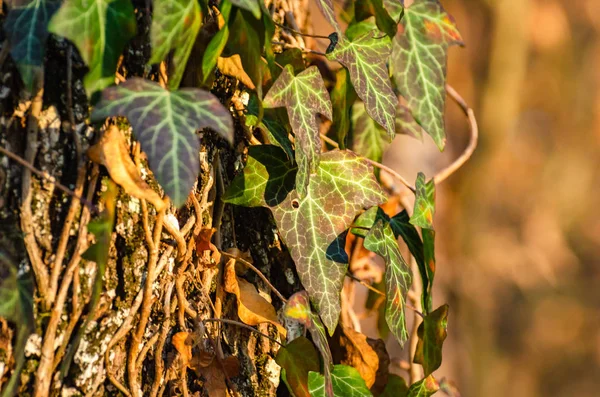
(44, 231)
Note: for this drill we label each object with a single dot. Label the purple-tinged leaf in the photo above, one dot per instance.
(369, 139)
(432, 334)
(366, 57)
(165, 124)
(303, 96)
(406, 123)
(85, 24)
(419, 63)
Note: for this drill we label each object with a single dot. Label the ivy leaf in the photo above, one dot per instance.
(424, 388)
(342, 98)
(395, 387)
(419, 63)
(367, 8)
(429, 253)
(343, 185)
(296, 360)
(26, 27)
(16, 305)
(85, 24)
(346, 382)
(274, 123)
(215, 47)
(251, 5)
(165, 123)
(366, 57)
(424, 203)
(303, 96)
(406, 123)
(369, 139)
(382, 241)
(175, 25)
(267, 179)
(432, 333)
(395, 8)
(326, 7)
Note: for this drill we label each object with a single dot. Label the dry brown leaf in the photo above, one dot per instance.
(182, 341)
(203, 243)
(216, 373)
(112, 152)
(253, 309)
(359, 354)
(232, 66)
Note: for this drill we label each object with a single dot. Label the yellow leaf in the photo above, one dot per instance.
(232, 66)
(112, 152)
(253, 309)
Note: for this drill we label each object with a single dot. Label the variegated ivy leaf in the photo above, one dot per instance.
(346, 381)
(326, 7)
(375, 8)
(383, 242)
(251, 5)
(394, 8)
(424, 388)
(303, 96)
(26, 27)
(406, 123)
(175, 25)
(369, 139)
(419, 63)
(366, 57)
(432, 334)
(165, 124)
(342, 98)
(342, 186)
(424, 203)
(100, 29)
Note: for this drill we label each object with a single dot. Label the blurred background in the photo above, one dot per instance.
(518, 228)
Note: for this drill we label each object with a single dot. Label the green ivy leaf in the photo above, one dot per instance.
(424, 388)
(326, 7)
(424, 203)
(382, 241)
(26, 27)
(419, 63)
(367, 8)
(432, 333)
(251, 5)
(215, 47)
(342, 186)
(429, 253)
(175, 25)
(267, 179)
(296, 360)
(369, 139)
(165, 123)
(406, 123)
(274, 123)
(395, 387)
(395, 8)
(346, 381)
(342, 98)
(303, 96)
(16, 305)
(366, 57)
(100, 29)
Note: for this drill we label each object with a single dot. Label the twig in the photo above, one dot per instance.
(255, 270)
(414, 371)
(233, 322)
(466, 154)
(166, 325)
(374, 163)
(50, 178)
(316, 36)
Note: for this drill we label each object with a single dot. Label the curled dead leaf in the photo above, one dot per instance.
(253, 309)
(112, 152)
(182, 341)
(203, 243)
(359, 354)
(232, 66)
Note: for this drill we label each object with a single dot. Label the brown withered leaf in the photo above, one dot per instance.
(359, 354)
(215, 374)
(182, 341)
(112, 152)
(253, 309)
(232, 66)
(203, 243)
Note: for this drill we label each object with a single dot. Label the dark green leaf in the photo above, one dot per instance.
(274, 122)
(293, 57)
(165, 123)
(367, 8)
(342, 98)
(432, 333)
(215, 47)
(296, 360)
(369, 139)
(382, 241)
(395, 387)
(424, 388)
(26, 27)
(175, 25)
(326, 7)
(429, 253)
(251, 5)
(366, 57)
(100, 29)
(343, 185)
(267, 179)
(303, 96)
(424, 203)
(419, 63)
(346, 381)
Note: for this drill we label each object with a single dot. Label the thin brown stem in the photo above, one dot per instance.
(466, 154)
(237, 323)
(316, 36)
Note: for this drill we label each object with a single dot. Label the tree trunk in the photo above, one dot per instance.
(149, 293)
